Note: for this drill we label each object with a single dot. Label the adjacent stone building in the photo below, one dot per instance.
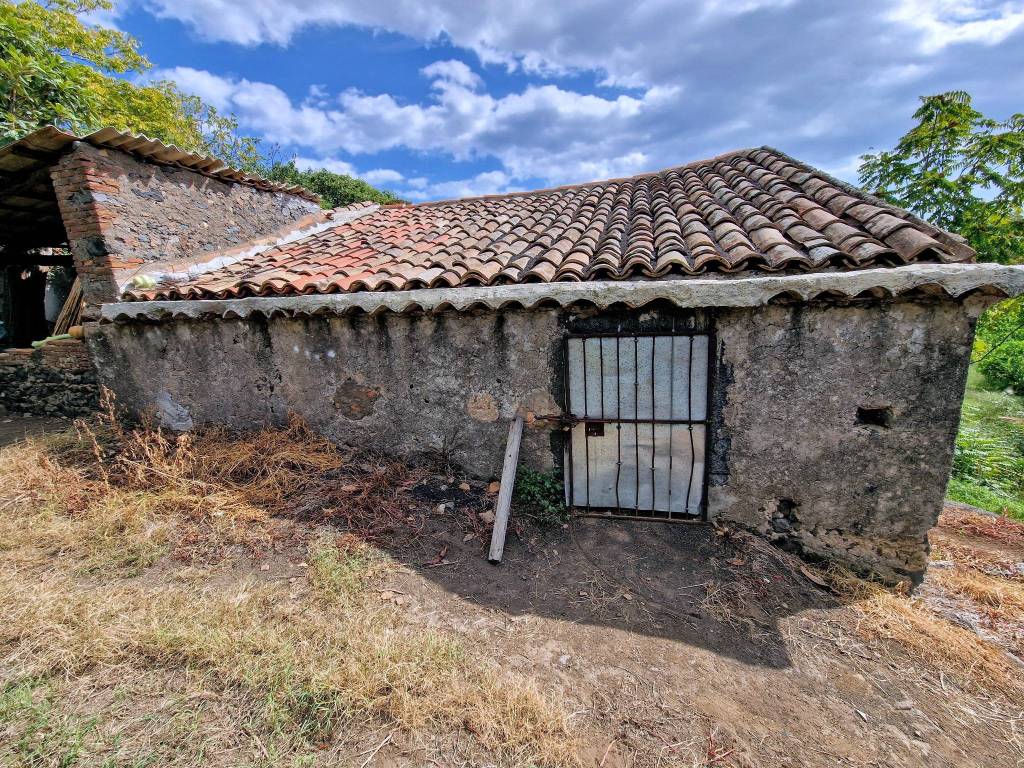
(100, 207)
(742, 339)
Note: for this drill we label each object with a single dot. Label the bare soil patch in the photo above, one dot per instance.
(267, 599)
(15, 427)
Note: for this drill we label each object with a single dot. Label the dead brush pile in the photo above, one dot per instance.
(84, 513)
(144, 491)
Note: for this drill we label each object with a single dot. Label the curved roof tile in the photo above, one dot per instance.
(756, 210)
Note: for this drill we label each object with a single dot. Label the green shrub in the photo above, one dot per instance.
(334, 189)
(967, 492)
(988, 462)
(987, 458)
(541, 497)
(999, 347)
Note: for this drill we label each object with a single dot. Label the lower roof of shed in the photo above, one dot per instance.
(29, 214)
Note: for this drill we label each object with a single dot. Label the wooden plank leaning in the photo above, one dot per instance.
(508, 479)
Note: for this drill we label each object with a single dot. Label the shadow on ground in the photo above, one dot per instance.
(684, 582)
(16, 426)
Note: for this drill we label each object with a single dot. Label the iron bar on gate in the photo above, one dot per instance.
(603, 462)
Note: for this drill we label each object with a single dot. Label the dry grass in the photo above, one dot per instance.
(323, 667)
(996, 593)
(136, 630)
(969, 661)
(995, 527)
(113, 495)
(963, 556)
(81, 516)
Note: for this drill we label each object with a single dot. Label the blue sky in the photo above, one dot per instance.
(437, 99)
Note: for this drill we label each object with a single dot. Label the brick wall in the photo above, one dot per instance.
(121, 213)
(57, 379)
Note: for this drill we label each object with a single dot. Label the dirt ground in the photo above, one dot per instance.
(665, 644)
(15, 427)
(678, 645)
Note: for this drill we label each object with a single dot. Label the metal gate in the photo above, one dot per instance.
(637, 407)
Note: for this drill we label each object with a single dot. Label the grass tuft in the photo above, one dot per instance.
(973, 663)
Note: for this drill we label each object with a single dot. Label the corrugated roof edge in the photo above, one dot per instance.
(994, 281)
(52, 139)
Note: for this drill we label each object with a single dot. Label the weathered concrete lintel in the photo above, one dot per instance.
(951, 280)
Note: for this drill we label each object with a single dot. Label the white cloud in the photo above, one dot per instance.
(543, 131)
(335, 166)
(379, 176)
(486, 183)
(631, 49)
(211, 88)
(317, 95)
(947, 22)
(691, 78)
(452, 71)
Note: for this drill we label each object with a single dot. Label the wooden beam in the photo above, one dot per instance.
(34, 154)
(508, 480)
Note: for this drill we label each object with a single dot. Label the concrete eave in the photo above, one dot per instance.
(943, 280)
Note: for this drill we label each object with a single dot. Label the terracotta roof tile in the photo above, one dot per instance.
(753, 210)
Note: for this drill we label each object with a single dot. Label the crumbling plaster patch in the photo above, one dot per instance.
(482, 406)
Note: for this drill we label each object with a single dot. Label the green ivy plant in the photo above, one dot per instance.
(540, 497)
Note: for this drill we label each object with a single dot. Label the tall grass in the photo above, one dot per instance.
(988, 464)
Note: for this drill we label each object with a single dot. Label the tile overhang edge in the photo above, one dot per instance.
(951, 280)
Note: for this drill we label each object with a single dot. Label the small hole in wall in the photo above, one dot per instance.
(875, 417)
(784, 518)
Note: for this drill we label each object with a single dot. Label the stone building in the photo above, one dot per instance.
(98, 208)
(741, 339)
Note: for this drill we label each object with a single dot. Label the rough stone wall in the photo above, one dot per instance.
(121, 212)
(57, 379)
(832, 427)
(403, 384)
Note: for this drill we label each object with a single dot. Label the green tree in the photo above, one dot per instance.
(961, 170)
(335, 189)
(965, 172)
(56, 70)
